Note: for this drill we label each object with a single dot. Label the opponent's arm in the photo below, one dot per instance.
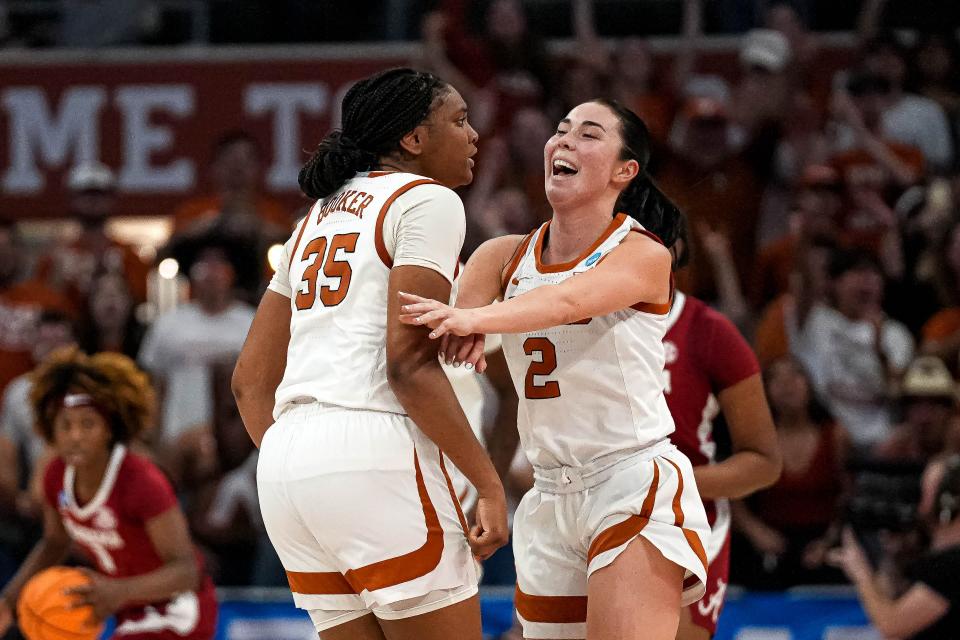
(755, 462)
(636, 271)
(261, 364)
(49, 551)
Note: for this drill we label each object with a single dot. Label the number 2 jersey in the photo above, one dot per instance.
(336, 269)
(590, 388)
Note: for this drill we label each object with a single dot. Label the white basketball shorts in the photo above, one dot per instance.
(362, 513)
(577, 520)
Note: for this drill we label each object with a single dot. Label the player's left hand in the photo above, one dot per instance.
(464, 350)
(442, 318)
(105, 595)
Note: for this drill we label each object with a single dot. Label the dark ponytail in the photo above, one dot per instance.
(377, 113)
(642, 200)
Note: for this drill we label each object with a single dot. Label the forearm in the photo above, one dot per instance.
(255, 403)
(176, 576)
(45, 554)
(876, 605)
(426, 395)
(541, 308)
(739, 475)
(505, 438)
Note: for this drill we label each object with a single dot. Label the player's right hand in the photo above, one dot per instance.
(489, 531)
(6, 616)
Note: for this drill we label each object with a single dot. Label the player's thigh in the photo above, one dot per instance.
(636, 597)
(365, 628)
(460, 620)
(688, 630)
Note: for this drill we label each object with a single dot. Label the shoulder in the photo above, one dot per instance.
(645, 246)
(417, 190)
(503, 248)
(139, 472)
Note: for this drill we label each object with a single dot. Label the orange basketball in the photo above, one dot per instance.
(44, 611)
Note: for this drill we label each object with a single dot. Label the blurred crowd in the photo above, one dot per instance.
(823, 197)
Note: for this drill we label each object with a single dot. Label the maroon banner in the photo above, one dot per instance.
(155, 121)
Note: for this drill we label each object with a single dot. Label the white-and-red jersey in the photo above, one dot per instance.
(705, 354)
(111, 530)
(590, 388)
(336, 268)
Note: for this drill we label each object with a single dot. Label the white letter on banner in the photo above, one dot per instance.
(287, 101)
(34, 129)
(140, 138)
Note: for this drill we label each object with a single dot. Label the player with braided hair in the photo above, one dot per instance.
(115, 505)
(351, 409)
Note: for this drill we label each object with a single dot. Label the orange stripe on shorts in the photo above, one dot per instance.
(622, 532)
(692, 538)
(551, 609)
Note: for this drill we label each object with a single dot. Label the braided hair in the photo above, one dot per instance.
(642, 200)
(377, 113)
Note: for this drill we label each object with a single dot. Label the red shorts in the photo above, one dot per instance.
(190, 616)
(706, 611)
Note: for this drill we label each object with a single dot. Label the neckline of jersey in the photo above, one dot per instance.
(103, 491)
(566, 266)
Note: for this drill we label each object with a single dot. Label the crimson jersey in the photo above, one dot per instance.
(111, 530)
(705, 354)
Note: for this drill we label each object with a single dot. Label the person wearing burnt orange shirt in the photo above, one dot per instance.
(236, 201)
(70, 268)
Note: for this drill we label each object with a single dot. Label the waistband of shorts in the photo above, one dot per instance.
(304, 407)
(574, 479)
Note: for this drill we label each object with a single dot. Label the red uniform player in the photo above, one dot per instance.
(116, 506)
(710, 368)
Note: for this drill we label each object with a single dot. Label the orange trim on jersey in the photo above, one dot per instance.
(566, 266)
(378, 235)
(386, 573)
(551, 609)
(326, 583)
(650, 307)
(514, 261)
(296, 243)
(692, 538)
(379, 174)
(453, 494)
(621, 533)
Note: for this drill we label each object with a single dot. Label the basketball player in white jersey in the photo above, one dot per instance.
(609, 541)
(349, 407)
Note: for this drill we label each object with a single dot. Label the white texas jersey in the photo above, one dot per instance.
(593, 387)
(336, 270)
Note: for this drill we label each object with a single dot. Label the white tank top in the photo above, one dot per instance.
(336, 274)
(590, 388)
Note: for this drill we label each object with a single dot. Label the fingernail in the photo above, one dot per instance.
(433, 335)
(419, 319)
(456, 364)
(442, 357)
(469, 366)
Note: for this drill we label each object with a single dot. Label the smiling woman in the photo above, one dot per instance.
(609, 542)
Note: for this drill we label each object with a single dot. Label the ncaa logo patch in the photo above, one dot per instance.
(592, 259)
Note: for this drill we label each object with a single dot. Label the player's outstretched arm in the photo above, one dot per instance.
(261, 364)
(636, 271)
(421, 386)
(50, 551)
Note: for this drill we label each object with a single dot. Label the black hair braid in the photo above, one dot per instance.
(377, 112)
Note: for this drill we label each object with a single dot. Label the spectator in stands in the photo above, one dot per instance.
(928, 400)
(110, 317)
(762, 95)
(22, 302)
(236, 205)
(787, 527)
(930, 606)
(22, 450)
(180, 346)
(70, 268)
(817, 204)
(908, 118)
(941, 333)
(935, 73)
(713, 184)
(853, 350)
